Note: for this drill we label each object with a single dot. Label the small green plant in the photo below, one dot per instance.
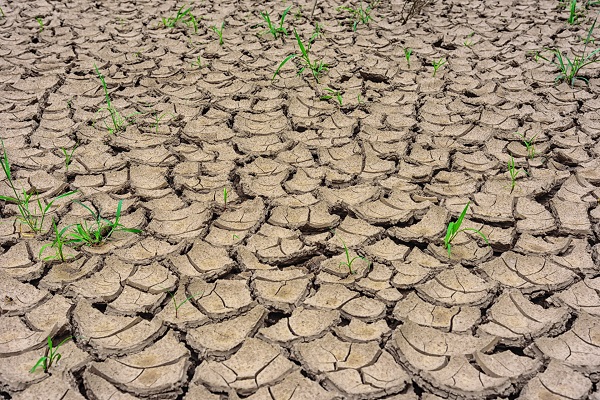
(69, 155)
(25, 202)
(528, 144)
(360, 14)
(225, 195)
(50, 357)
(514, 173)
(359, 99)
(40, 22)
(198, 62)
(407, 53)
(219, 32)
(316, 67)
(2, 15)
(158, 118)
(272, 29)
(569, 69)
(177, 306)
(437, 64)
(349, 261)
(117, 121)
(298, 14)
(573, 14)
(454, 229)
(100, 230)
(469, 40)
(184, 16)
(333, 93)
(58, 243)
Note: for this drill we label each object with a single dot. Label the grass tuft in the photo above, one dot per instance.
(52, 355)
(361, 14)
(316, 67)
(118, 122)
(569, 69)
(100, 230)
(273, 29)
(454, 228)
(26, 204)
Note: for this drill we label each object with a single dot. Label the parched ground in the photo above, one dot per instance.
(275, 315)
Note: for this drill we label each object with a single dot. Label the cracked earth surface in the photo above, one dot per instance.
(275, 314)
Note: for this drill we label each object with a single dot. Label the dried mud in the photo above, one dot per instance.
(276, 315)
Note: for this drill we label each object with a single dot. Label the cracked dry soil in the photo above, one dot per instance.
(275, 316)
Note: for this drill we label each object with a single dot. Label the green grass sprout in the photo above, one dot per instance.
(158, 118)
(273, 29)
(407, 53)
(360, 14)
(469, 40)
(69, 155)
(513, 172)
(58, 243)
(198, 62)
(50, 357)
(529, 144)
(25, 202)
(118, 122)
(177, 306)
(40, 22)
(334, 93)
(316, 67)
(225, 195)
(2, 15)
(573, 14)
(349, 261)
(219, 32)
(184, 16)
(454, 229)
(569, 69)
(437, 64)
(100, 230)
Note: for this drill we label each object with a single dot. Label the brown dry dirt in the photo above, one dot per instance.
(275, 314)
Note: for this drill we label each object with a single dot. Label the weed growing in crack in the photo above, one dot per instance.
(528, 144)
(272, 29)
(407, 53)
(225, 195)
(177, 306)
(316, 67)
(469, 40)
(454, 229)
(513, 172)
(25, 202)
(437, 64)
(198, 63)
(2, 15)
(184, 16)
(360, 15)
(100, 231)
(51, 356)
(69, 155)
(118, 122)
(40, 22)
(158, 118)
(219, 32)
(349, 261)
(58, 243)
(573, 13)
(333, 93)
(569, 69)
